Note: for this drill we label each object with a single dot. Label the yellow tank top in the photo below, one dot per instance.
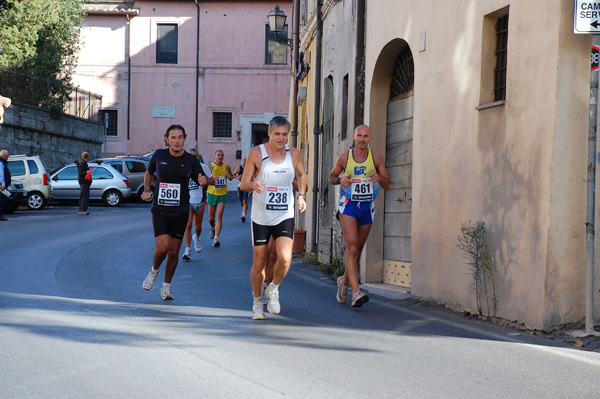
(363, 188)
(220, 175)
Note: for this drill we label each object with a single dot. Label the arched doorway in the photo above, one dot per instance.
(399, 159)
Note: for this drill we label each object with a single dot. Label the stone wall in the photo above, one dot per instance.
(58, 141)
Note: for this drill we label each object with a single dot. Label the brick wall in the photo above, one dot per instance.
(58, 141)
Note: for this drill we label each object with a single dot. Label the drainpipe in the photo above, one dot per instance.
(359, 87)
(128, 75)
(197, 65)
(316, 128)
(295, 51)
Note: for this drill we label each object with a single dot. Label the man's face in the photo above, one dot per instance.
(278, 137)
(219, 156)
(176, 140)
(362, 137)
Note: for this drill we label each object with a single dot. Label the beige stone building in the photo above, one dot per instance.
(480, 108)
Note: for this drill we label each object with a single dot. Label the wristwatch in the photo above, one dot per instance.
(303, 196)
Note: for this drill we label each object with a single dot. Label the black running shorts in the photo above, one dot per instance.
(261, 234)
(171, 225)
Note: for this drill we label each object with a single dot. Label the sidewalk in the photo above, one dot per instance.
(575, 337)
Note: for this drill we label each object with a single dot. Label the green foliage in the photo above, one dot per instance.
(41, 37)
(335, 268)
(311, 258)
(472, 241)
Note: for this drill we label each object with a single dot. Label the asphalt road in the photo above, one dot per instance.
(76, 323)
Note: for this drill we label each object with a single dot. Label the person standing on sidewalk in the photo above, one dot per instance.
(197, 203)
(360, 172)
(243, 195)
(170, 203)
(217, 196)
(5, 181)
(270, 171)
(84, 176)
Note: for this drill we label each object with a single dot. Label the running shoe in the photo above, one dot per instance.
(263, 293)
(197, 243)
(244, 218)
(273, 294)
(358, 298)
(342, 292)
(212, 233)
(258, 309)
(149, 281)
(187, 256)
(216, 243)
(165, 293)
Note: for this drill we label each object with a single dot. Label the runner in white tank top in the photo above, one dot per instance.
(276, 202)
(269, 173)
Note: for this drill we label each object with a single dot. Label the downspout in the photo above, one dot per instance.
(316, 128)
(359, 87)
(197, 65)
(128, 75)
(295, 51)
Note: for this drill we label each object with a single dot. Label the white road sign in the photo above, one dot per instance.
(587, 17)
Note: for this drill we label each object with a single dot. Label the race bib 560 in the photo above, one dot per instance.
(169, 194)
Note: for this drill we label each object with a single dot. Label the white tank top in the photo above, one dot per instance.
(276, 203)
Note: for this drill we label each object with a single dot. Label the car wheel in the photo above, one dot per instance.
(141, 191)
(112, 198)
(36, 200)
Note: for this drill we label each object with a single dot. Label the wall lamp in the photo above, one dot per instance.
(277, 24)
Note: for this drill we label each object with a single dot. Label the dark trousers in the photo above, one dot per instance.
(84, 197)
(3, 201)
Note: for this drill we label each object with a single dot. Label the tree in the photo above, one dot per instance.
(41, 37)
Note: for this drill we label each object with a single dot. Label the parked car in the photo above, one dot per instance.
(33, 173)
(108, 184)
(132, 168)
(18, 195)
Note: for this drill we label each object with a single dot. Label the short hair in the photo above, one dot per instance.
(175, 127)
(193, 149)
(220, 151)
(85, 155)
(279, 121)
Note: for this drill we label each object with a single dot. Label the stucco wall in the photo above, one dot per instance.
(518, 167)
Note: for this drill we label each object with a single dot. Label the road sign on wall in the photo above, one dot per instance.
(586, 17)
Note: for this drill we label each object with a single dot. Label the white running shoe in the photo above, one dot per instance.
(212, 233)
(273, 294)
(165, 293)
(342, 292)
(197, 243)
(263, 293)
(149, 281)
(216, 243)
(358, 298)
(258, 309)
(187, 256)
(244, 218)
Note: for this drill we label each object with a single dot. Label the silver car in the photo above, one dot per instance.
(108, 184)
(132, 168)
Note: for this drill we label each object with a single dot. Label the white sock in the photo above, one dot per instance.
(216, 237)
(166, 284)
(187, 250)
(153, 270)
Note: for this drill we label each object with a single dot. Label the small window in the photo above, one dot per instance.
(221, 124)
(118, 165)
(276, 50)
(33, 168)
(16, 168)
(112, 121)
(101, 174)
(166, 44)
(136, 167)
(501, 58)
(69, 173)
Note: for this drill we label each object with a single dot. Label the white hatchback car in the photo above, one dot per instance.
(33, 173)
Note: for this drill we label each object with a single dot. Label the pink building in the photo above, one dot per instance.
(211, 66)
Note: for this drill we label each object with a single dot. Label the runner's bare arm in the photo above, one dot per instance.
(334, 175)
(229, 174)
(300, 176)
(252, 162)
(381, 176)
(147, 188)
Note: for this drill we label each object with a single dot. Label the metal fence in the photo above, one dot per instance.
(32, 90)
